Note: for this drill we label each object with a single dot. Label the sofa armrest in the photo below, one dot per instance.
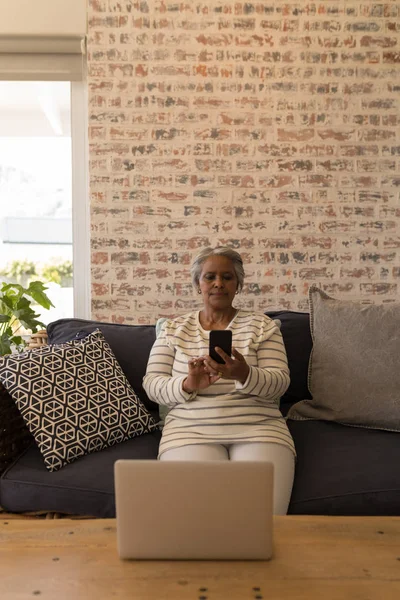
(14, 434)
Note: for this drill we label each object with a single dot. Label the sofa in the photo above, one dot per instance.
(340, 469)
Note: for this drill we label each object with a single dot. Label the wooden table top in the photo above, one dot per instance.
(327, 558)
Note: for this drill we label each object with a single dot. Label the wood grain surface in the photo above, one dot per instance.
(329, 558)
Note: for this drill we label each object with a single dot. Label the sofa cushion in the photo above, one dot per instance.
(354, 373)
(131, 345)
(339, 471)
(84, 487)
(74, 398)
(345, 470)
(295, 329)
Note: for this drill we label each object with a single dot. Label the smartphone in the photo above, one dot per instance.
(223, 339)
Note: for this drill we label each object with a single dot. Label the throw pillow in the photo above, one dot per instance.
(74, 398)
(131, 345)
(354, 369)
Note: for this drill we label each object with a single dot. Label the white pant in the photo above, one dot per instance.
(281, 457)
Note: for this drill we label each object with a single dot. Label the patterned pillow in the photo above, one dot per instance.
(74, 398)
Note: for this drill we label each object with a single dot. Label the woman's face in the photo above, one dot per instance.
(218, 282)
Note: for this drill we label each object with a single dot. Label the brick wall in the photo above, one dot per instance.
(273, 127)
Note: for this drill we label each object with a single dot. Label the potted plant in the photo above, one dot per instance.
(16, 313)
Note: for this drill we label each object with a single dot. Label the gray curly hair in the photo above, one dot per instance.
(197, 265)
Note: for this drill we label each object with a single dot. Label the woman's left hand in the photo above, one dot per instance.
(234, 368)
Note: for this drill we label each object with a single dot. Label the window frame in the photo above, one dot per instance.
(80, 201)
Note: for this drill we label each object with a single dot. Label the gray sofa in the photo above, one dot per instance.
(340, 470)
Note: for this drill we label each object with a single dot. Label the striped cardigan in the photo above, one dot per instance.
(227, 411)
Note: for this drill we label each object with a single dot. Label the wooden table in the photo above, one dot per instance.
(327, 558)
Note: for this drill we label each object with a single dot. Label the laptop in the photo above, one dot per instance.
(192, 510)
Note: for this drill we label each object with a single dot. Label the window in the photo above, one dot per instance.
(36, 188)
(44, 223)
(36, 192)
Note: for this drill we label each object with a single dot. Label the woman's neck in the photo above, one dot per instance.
(212, 319)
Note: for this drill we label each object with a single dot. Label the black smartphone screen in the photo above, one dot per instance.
(223, 339)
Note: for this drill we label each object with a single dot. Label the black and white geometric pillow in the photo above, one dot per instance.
(74, 398)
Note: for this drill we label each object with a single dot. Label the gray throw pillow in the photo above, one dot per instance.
(354, 369)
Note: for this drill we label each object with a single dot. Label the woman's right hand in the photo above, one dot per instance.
(198, 377)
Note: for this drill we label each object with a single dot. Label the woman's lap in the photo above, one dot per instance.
(281, 457)
(197, 452)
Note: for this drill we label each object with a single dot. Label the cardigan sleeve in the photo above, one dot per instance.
(271, 377)
(158, 382)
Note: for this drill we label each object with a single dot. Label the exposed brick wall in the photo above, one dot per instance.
(273, 127)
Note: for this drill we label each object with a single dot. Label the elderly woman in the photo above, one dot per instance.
(224, 411)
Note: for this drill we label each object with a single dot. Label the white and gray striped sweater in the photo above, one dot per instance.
(227, 411)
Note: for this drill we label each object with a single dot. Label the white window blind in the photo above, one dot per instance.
(42, 39)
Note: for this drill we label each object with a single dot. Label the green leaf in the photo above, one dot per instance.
(23, 304)
(12, 290)
(5, 318)
(6, 304)
(17, 340)
(5, 345)
(36, 291)
(32, 324)
(7, 331)
(28, 318)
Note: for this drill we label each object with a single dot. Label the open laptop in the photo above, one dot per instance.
(194, 510)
